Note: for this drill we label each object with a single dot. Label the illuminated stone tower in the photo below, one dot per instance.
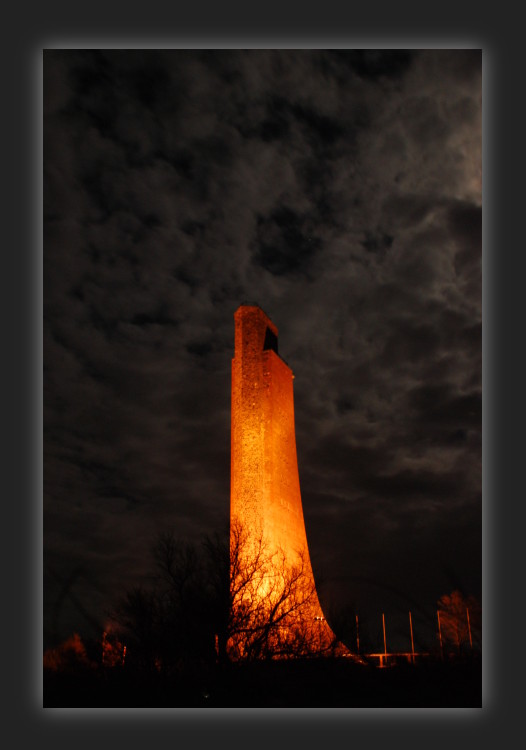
(265, 490)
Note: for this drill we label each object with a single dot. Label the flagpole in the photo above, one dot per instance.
(412, 641)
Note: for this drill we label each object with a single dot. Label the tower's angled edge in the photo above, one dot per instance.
(265, 493)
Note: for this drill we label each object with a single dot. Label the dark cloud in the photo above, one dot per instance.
(377, 63)
(338, 189)
(285, 243)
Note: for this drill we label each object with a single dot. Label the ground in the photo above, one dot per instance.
(323, 683)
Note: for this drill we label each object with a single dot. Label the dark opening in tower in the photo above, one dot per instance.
(271, 341)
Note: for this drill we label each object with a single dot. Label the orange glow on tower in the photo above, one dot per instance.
(265, 493)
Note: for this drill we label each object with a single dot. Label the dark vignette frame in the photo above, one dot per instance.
(290, 27)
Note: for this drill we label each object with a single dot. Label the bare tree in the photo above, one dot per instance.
(271, 601)
(231, 598)
(138, 616)
(69, 657)
(460, 621)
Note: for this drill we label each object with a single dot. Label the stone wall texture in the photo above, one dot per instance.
(265, 488)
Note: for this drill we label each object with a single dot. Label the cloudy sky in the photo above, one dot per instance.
(341, 191)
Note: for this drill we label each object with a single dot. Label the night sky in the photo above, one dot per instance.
(341, 191)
